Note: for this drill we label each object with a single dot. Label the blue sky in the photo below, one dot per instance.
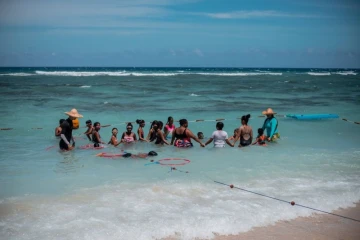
(180, 33)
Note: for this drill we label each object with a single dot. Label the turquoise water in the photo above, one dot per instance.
(49, 194)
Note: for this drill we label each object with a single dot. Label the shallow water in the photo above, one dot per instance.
(49, 194)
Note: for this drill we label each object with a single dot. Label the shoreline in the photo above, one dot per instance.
(319, 226)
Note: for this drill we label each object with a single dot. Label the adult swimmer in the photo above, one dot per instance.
(245, 132)
(270, 125)
(219, 136)
(128, 136)
(66, 130)
(181, 136)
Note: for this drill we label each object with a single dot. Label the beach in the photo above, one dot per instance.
(49, 194)
(317, 227)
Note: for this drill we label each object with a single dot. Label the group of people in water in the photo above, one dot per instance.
(169, 134)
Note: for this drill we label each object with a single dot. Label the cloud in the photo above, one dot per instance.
(198, 52)
(255, 14)
(48, 12)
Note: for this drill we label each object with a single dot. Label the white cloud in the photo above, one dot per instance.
(254, 14)
(198, 52)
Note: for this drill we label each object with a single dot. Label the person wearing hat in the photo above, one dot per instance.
(270, 125)
(66, 132)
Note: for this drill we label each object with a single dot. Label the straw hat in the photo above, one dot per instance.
(74, 113)
(268, 111)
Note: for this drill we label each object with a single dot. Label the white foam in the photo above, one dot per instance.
(345, 73)
(155, 74)
(17, 74)
(319, 73)
(194, 95)
(157, 210)
(241, 74)
(85, 86)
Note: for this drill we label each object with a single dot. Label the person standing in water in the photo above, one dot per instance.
(245, 132)
(90, 129)
(58, 129)
(169, 127)
(160, 136)
(181, 136)
(233, 137)
(219, 136)
(270, 125)
(128, 136)
(96, 138)
(152, 134)
(113, 139)
(66, 130)
(140, 130)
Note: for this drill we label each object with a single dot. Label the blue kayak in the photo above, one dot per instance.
(311, 116)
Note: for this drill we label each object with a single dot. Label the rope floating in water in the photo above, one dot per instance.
(281, 200)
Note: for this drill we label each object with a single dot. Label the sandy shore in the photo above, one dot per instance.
(317, 227)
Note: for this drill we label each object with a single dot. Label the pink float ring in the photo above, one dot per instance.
(163, 161)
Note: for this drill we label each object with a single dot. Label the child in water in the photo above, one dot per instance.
(200, 135)
(169, 127)
(96, 138)
(140, 130)
(59, 129)
(89, 130)
(260, 139)
(236, 131)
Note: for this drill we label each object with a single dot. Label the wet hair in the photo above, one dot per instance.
(155, 122)
(114, 129)
(129, 125)
(220, 125)
(260, 131)
(96, 123)
(236, 130)
(200, 135)
(245, 118)
(88, 121)
(183, 121)
(140, 121)
(160, 124)
(169, 119)
(152, 153)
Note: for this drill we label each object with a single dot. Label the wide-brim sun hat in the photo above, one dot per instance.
(268, 111)
(74, 113)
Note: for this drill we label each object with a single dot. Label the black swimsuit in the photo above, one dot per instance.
(244, 142)
(67, 127)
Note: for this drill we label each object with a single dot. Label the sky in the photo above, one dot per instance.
(180, 33)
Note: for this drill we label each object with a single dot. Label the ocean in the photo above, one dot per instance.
(48, 194)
